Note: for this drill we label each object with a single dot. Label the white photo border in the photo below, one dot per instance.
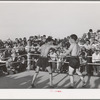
(49, 93)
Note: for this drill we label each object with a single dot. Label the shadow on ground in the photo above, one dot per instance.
(23, 81)
(97, 82)
(15, 82)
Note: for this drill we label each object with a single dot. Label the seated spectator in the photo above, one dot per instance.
(95, 43)
(35, 55)
(22, 64)
(11, 63)
(2, 64)
(5, 54)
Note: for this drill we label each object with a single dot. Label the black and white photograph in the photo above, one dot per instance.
(49, 45)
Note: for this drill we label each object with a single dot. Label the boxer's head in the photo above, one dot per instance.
(73, 38)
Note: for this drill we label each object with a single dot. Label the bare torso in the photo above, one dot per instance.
(44, 50)
(75, 49)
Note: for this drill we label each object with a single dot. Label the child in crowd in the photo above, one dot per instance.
(83, 61)
(52, 54)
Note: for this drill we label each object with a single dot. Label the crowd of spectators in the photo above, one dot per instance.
(18, 55)
(90, 45)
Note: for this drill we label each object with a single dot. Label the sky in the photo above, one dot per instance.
(55, 19)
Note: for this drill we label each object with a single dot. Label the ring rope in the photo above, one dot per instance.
(49, 60)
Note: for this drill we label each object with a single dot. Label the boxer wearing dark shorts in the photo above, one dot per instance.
(43, 62)
(74, 62)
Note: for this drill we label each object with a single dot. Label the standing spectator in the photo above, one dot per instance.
(83, 67)
(98, 35)
(84, 37)
(96, 59)
(89, 60)
(20, 40)
(53, 56)
(24, 42)
(1, 44)
(15, 47)
(16, 40)
(90, 33)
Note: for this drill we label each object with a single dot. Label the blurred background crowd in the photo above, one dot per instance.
(22, 54)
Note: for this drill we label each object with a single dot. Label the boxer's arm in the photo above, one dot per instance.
(39, 49)
(69, 50)
(55, 47)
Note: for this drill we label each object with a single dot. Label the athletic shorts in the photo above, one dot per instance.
(43, 62)
(74, 62)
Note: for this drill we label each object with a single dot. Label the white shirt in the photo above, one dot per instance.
(95, 57)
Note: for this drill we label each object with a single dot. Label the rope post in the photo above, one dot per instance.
(28, 56)
(28, 61)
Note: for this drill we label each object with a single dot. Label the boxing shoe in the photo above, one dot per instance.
(84, 85)
(32, 86)
(71, 87)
